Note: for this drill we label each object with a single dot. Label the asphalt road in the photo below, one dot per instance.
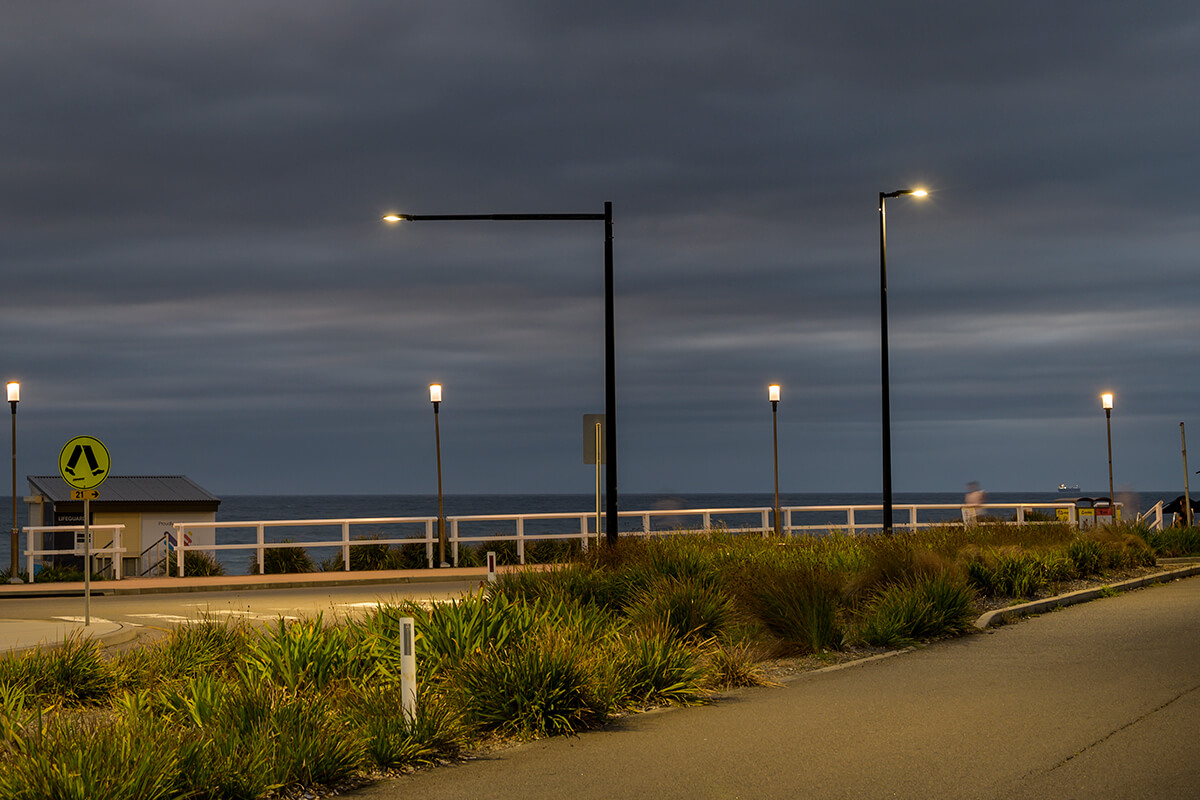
(1098, 700)
(164, 611)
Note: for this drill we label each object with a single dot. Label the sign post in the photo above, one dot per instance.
(84, 478)
(593, 453)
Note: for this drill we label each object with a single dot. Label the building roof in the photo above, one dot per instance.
(147, 489)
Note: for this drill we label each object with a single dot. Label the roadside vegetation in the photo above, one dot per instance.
(224, 710)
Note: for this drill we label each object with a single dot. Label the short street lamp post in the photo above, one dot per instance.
(610, 369)
(435, 397)
(1106, 400)
(773, 396)
(14, 395)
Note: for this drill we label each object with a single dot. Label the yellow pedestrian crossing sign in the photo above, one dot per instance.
(83, 462)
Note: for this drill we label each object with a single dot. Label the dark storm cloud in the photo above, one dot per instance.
(194, 261)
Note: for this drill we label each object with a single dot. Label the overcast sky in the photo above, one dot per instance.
(196, 274)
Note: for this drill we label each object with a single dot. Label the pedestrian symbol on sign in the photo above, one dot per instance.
(84, 462)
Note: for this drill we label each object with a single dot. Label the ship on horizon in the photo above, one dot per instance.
(1064, 489)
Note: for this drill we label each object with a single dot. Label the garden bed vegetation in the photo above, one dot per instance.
(224, 710)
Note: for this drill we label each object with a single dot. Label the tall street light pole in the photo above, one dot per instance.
(435, 397)
(773, 396)
(1106, 400)
(14, 395)
(610, 368)
(885, 379)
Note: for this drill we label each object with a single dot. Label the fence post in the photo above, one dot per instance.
(408, 668)
(262, 566)
(583, 533)
(453, 542)
(179, 552)
(521, 540)
(850, 520)
(491, 566)
(118, 552)
(346, 545)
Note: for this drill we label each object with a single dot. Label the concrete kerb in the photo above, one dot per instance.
(1002, 615)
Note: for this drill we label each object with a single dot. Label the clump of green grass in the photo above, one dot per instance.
(919, 608)
(196, 564)
(689, 608)
(282, 560)
(801, 606)
(1174, 542)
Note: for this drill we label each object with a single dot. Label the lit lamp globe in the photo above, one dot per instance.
(1107, 401)
(435, 393)
(14, 391)
(773, 393)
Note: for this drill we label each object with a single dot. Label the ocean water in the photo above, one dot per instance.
(312, 507)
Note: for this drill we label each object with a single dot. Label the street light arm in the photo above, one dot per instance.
(495, 217)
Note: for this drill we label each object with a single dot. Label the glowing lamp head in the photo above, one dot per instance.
(14, 391)
(1106, 400)
(919, 193)
(435, 393)
(393, 218)
(773, 393)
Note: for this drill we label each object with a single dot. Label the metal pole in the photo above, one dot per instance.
(1187, 492)
(885, 378)
(87, 561)
(437, 437)
(1112, 501)
(610, 359)
(599, 461)
(610, 382)
(775, 439)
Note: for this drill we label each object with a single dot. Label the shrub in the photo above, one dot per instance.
(78, 760)
(733, 665)
(297, 654)
(687, 608)
(74, 673)
(392, 739)
(196, 564)
(1174, 542)
(655, 667)
(282, 560)
(919, 608)
(449, 632)
(540, 688)
(801, 607)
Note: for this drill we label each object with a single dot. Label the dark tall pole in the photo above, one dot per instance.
(610, 359)
(612, 513)
(885, 379)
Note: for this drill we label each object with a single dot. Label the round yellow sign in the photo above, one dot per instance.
(83, 462)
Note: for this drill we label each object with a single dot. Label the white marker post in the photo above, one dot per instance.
(408, 669)
(491, 561)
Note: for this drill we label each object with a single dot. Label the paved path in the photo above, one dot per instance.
(45, 614)
(1098, 700)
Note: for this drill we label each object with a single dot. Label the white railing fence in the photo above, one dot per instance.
(114, 553)
(581, 527)
(185, 532)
